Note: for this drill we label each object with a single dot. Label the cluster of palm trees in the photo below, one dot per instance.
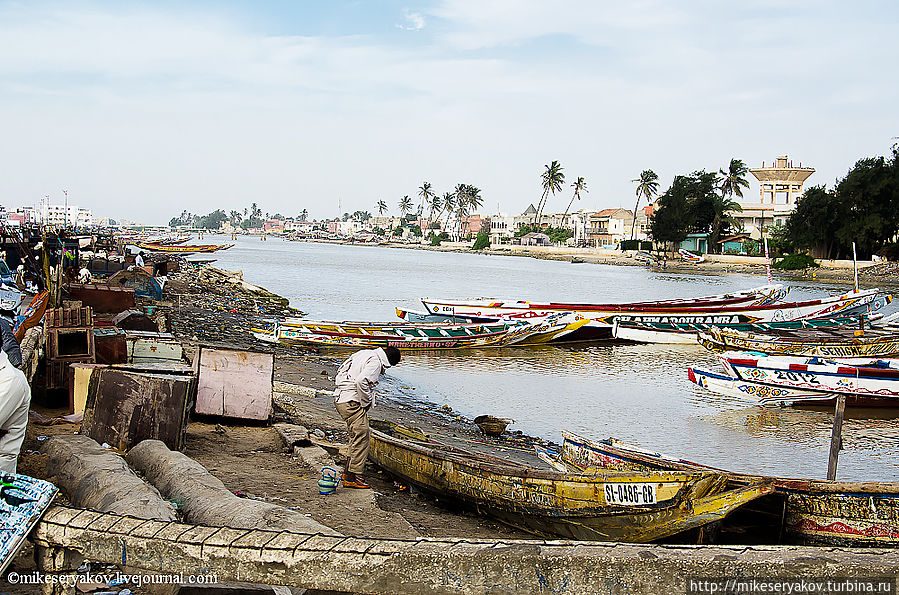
(457, 205)
(552, 179)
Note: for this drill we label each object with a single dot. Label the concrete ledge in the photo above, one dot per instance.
(429, 565)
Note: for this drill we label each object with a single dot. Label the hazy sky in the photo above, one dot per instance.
(143, 109)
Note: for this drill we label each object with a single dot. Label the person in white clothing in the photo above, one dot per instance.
(139, 259)
(356, 380)
(15, 399)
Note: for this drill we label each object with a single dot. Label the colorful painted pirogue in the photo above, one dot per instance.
(706, 310)
(873, 378)
(688, 333)
(183, 248)
(418, 336)
(814, 511)
(627, 506)
(776, 396)
(32, 315)
(830, 342)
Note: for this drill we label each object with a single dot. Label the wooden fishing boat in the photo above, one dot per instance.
(688, 256)
(719, 310)
(183, 248)
(687, 333)
(821, 341)
(415, 336)
(608, 506)
(32, 315)
(558, 328)
(850, 376)
(777, 396)
(814, 511)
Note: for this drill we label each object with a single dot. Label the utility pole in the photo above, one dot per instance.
(65, 213)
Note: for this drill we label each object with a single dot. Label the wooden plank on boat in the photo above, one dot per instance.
(235, 383)
(836, 438)
(124, 407)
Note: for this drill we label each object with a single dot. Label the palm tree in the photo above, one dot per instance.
(475, 200)
(405, 205)
(304, 214)
(425, 192)
(734, 179)
(647, 187)
(552, 180)
(449, 204)
(579, 186)
(382, 207)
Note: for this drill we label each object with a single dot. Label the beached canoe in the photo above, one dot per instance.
(688, 333)
(417, 336)
(626, 506)
(825, 342)
(555, 327)
(814, 511)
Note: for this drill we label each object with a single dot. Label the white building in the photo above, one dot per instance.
(779, 187)
(502, 228)
(61, 216)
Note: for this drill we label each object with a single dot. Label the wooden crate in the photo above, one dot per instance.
(69, 317)
(124, 407)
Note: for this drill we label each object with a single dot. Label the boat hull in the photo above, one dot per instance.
(549, 503)
(873, 344)
(815, 511)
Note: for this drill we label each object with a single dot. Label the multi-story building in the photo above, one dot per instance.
(779, 187)
(60, 215)
(609, 227)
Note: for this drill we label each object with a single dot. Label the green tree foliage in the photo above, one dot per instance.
(557, 235)
(862, 208)
(481, 241)
(693, 205)
(551, 180)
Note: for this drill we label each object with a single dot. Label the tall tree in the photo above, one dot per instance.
(734, 179)
(579, 186)
(551, 180)
(647, 187)
(425, 192)
(304, 214)
(382, 207)
(405, 205)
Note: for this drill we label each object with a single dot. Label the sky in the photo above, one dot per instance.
(141, 110)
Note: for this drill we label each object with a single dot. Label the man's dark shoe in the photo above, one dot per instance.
(351, 480)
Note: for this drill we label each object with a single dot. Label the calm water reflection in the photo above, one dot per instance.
(637, 393)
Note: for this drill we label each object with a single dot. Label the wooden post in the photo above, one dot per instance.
(836, 438)
(855, 266)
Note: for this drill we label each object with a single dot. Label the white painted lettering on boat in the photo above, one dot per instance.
(707, 319)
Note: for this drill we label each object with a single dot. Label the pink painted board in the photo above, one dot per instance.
(235, 383)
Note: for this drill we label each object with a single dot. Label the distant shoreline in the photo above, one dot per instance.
(837, 272)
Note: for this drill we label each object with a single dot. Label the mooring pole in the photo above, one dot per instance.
(836, 438)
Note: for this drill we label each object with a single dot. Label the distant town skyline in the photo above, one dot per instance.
(142, 110)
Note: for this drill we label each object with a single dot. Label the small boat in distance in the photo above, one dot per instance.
(628, 506)
(183, 248)
(688, 256)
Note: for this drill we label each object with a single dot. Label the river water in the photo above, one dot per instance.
(636, 393)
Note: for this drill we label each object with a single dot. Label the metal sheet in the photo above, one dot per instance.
(235, 383)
